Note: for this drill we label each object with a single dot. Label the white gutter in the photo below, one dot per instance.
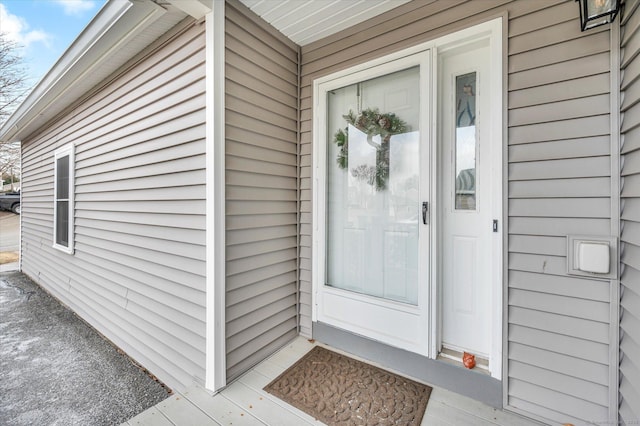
(85, 61)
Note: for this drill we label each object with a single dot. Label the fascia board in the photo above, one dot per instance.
(116, 24)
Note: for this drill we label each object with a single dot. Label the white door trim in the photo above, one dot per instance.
(491, 30)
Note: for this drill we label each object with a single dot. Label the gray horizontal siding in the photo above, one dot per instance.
(261, 189)
(559, 180)
(137, 274)
(629, 409)
(559, 183)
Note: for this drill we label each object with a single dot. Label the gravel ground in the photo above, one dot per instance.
(57, 370)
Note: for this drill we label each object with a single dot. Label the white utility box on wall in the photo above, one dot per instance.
(591, 256)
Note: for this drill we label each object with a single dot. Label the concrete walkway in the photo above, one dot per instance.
(9, 241)
(56, 370)
(9, 232)
(9, 267)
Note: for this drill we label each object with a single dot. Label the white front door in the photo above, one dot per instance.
(376, 260)
(467, 199)
(407, 179)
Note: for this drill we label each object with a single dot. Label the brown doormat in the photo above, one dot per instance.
(339, 390)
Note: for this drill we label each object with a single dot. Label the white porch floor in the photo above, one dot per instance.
(244, 402)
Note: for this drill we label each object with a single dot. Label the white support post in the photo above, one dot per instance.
(215, 189)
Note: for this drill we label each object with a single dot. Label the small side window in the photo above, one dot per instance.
(63, 210)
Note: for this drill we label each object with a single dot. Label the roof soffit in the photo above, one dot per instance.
(306, 21)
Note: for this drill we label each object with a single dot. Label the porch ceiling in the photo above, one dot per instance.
(305, 21)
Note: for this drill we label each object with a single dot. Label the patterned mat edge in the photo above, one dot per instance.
(271, 388)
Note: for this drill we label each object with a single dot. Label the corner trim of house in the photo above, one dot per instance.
(215, 199)
(505, 208)
(20, 219)
(298, 182)
(614, 288)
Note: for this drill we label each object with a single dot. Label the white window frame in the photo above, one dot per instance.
(67, 150)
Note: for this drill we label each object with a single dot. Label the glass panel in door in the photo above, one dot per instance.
(373, 197)
(465, 145)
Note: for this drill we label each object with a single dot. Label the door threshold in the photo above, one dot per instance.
(453, 356)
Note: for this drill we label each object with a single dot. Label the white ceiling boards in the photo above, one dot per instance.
(305, 21)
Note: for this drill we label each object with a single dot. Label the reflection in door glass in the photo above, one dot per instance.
(465, 155)
(373, 174)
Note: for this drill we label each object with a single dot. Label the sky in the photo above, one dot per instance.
(45, 29)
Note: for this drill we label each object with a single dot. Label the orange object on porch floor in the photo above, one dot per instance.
(469, 360)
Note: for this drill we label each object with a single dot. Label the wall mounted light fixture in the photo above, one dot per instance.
(597, 12)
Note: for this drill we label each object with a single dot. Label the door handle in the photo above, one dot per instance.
(425, 212)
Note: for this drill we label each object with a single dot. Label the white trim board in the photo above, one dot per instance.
(616, 230)
(216, 377)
